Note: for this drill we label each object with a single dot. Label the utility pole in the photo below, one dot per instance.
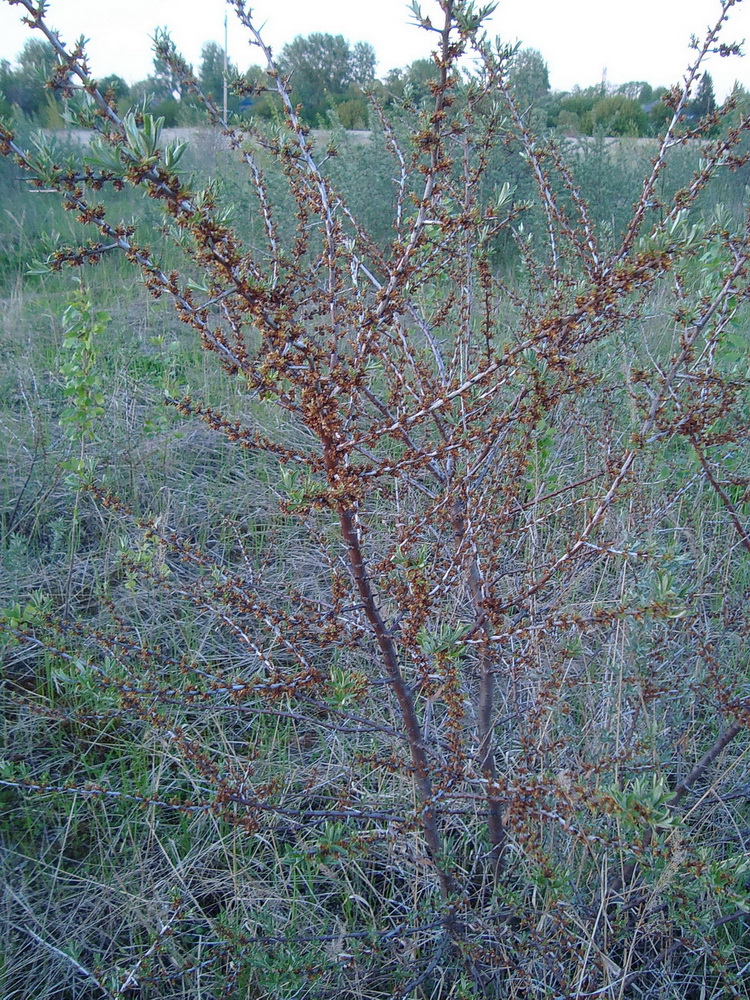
(225, 65)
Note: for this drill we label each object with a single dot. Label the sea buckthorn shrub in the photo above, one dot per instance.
(451, 700)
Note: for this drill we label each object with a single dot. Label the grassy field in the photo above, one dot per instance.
(206, 786)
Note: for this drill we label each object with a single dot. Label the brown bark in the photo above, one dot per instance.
(387, 646)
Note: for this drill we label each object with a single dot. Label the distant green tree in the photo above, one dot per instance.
(6, 75)
(24, 86)
(362, 64)
(646, 94)
(170, 110)
(741, 100)
(619, 115)
(319, 70)
(116, 85)
(165, 83)
(37, 58)
(657, 112)
(353, 112)
(264, 103)
(705, 99)
(211, 72)
(211, 76)
(632, 90)
(141, 91)
(529, 79)
(571, 113)
(568, 123)
(394, 82)
(417, 79)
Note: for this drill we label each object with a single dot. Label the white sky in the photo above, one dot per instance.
(633, 39)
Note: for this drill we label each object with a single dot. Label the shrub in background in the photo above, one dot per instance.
(452, 701)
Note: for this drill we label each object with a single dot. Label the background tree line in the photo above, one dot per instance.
(330, 79)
